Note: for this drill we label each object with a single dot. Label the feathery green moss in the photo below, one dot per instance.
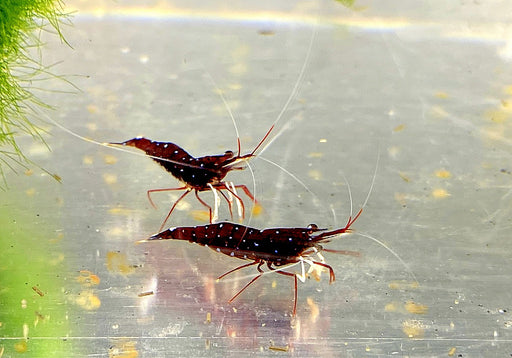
(21, 23)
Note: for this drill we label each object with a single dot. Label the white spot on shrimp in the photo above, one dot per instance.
(175, 152)
(218, 250)
(290, 239)
(232, 253)
(256, 244)
(277, 232)
(166, 145)
(221, 225)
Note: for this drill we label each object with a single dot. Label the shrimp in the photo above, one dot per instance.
(276, 248)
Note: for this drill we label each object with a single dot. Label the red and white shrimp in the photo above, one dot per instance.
(276, 248)
(206, 173)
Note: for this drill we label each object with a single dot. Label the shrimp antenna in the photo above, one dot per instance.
(109, 145)
(293, 176)
(253, 191)
(295, 89)
(369, 190)
(299, 79)
(373, 179)
(391, 251)
(226, 105)
(362, 206)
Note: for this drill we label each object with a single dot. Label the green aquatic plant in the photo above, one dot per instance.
(21, 24)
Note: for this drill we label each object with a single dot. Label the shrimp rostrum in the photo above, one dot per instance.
(276, 248)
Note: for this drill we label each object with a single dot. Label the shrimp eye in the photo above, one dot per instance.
(229, 153)
(312, 227)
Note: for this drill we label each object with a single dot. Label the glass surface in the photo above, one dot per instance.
(420, 95)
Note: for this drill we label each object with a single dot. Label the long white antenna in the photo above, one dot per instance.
(295, 87)
(57, 124)
(390, 250)
(228, 109)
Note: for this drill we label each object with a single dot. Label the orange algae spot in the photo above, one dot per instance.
(29, 172)
(123, 350)
(87, 278)
(117, 231)
(235, 86)
(30, 192)
(21, 346)
(404, 177)
(399, 128)
(413, 329)
(200, 215)
(440, 193)
(315, 311)
(109, 159)
(442, 95)
(257, 209)
(87, 159)
(88, 300)
(497, 115)
(391, 307)
(452, 351)
(402, 284)
(118, 210)
(117, 262)
(416, 308)
(58, 238)
(443, 173)
(110, 178)
(315, 174)
(92, 108)
(315, 155)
